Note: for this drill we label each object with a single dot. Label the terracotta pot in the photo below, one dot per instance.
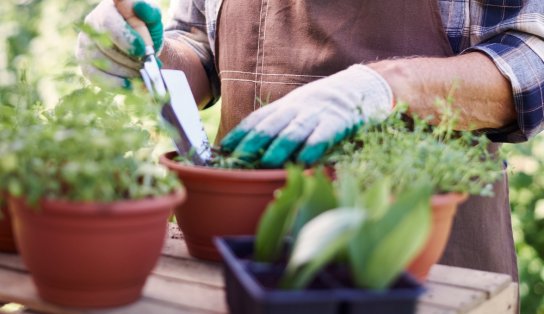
(91, 254)
(444, 207)
(7, 239)
(221, 202)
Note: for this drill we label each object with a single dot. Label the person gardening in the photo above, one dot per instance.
(296, 77)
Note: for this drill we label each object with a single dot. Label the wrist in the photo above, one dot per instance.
(405, 85)
(377, 99)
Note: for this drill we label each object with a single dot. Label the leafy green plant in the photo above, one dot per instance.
(393, 234)
(453, 161)
(333, 223)
(92, 146)
(278, 218)
(364, 220)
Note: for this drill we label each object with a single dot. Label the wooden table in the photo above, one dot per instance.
(182, 284)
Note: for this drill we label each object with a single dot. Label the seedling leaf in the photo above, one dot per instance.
(318, 197)
(278, 217)
(383, 246)
(319, 242)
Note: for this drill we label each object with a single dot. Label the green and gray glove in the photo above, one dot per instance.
(312, 118)
(112, 65)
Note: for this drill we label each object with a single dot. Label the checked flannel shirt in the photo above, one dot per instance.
(511, 32)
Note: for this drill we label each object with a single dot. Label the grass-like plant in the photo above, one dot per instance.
(338, 224)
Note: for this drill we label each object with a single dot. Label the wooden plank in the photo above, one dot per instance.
(13, 308)
(186, 294)
(190, 270)
(160, 296)
(502, 303)
(458, 299)
(491, 283)
(149, 306)
(424, 308)
(194, 282)
(17, 287)
(12, 261)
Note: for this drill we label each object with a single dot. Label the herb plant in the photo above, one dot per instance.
(453, 161)
(92, 146)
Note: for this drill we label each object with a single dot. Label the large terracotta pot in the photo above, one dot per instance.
(7, 239)
(444, 207)
(221, 202)
(91, 254)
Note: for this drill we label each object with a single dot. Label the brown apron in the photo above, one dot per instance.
(266, 48)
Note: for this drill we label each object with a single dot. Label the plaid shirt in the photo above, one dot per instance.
(511, 32)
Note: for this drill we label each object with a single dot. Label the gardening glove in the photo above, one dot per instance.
(113, 63)
(311, 118)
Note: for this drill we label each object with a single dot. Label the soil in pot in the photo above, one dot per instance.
(221, 202)
(90, 255)
(444, 207)
(7, 238)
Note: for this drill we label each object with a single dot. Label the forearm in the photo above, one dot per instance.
(179, 56)
(483, 95)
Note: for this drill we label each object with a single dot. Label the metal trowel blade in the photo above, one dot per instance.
(182, 113)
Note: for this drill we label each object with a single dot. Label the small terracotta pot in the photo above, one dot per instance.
(91, 255)
(444, 207)
(7, 239)
(221, 202)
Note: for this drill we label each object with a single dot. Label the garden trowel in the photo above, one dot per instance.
(172, 89)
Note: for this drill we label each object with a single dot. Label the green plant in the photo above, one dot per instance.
(92, 146)
(366, 232)
(365, 220)
(454, 161)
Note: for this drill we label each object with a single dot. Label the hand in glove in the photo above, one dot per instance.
(109, 65)
(311, 118)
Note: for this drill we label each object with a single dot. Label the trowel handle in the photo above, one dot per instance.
(125, 8)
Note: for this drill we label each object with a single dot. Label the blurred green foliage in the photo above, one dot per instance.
(40, 35)
(526, 171)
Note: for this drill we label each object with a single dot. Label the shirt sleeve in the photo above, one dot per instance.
(188, 24)
(511, 33)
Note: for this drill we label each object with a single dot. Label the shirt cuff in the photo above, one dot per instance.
(523, 67)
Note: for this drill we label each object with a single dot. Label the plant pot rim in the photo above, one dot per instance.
(121, 207)
(167, 159)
